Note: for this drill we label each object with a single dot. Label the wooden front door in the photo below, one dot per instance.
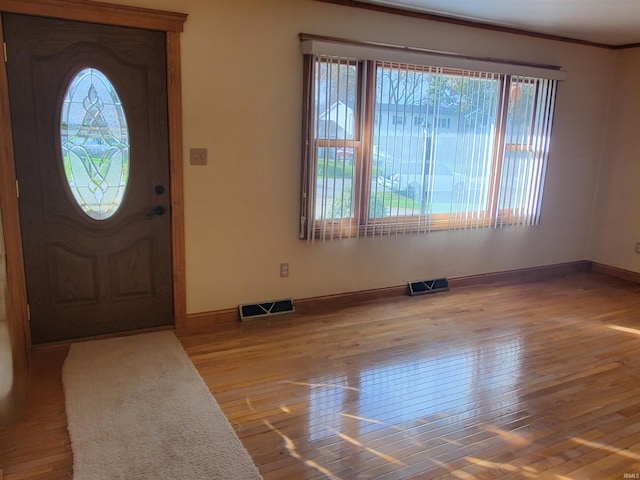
(89, 115)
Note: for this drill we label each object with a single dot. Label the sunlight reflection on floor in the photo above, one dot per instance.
(414, 401)
(635, 331)
(291, 448)
(450, 411)
(608, 448)
(513, 438)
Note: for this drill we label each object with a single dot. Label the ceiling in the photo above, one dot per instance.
(608, 22)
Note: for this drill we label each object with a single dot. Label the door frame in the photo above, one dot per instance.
(110, 14)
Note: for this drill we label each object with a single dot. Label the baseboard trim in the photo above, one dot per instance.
(523, 275)
(323, 303)
(209, 319)
(326, 302)
(616, 272)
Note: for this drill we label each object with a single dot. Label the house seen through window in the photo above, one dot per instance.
(397, 148)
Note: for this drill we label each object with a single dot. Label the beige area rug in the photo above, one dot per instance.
(137, 409)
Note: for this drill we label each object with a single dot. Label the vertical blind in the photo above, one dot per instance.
(394, 148)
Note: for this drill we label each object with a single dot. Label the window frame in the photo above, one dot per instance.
(361, 224)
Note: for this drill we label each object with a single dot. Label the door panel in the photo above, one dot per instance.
(85, 276)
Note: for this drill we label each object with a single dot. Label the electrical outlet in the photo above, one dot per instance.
(198, 156)
(284, 269)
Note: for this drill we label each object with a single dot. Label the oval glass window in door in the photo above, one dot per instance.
(95, 143)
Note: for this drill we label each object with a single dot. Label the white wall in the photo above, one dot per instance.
(242, 82)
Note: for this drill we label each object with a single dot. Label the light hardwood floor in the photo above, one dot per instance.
(536, 380)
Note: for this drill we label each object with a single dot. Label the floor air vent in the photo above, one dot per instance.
(429, 286)
(255, 310)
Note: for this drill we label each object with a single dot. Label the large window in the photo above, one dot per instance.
(394, 147)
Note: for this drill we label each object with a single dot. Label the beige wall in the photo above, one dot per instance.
(616, 218)
(242, 100)
(6, 355)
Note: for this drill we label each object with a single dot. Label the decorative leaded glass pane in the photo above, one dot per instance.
(95, 143)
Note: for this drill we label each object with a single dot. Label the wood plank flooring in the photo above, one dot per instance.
(536, 380)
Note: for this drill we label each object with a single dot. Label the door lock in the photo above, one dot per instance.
(158, 210)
